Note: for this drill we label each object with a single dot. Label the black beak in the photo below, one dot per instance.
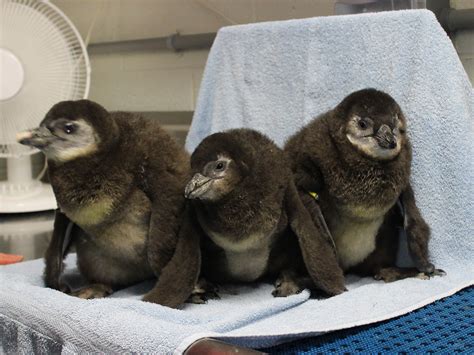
(197, 186)
(385, 137)
(39, 137)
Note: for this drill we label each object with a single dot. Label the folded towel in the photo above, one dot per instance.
(275, 77)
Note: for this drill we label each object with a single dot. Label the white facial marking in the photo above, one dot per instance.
(363, 139)
(370, 147)
(75, 152)
(365, 144)
(82, 143)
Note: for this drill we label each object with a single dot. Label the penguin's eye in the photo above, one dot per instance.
(363, 124)
(220, 166)
(69, 128)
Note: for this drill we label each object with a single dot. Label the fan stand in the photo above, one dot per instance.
(22, 193)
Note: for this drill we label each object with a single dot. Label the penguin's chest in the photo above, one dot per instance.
(355, 229)
(246, 259)
(115, 252)
(365, 190)
(355, 241)
(91, 213)
(114, 255)
(247, 266)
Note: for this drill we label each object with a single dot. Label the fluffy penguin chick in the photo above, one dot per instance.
(248, 207)
(357, 157)
(119, 178)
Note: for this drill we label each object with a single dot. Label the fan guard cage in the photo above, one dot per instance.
(54, 61)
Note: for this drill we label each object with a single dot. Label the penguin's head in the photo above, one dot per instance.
(372, 123)
(237, 165)
(70, 130)
(217, 179)
(221, 163)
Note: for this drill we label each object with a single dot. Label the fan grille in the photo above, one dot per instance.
(54, 61)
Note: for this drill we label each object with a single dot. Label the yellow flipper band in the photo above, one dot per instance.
(313, 194)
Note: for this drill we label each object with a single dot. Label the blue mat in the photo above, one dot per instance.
(446, 326)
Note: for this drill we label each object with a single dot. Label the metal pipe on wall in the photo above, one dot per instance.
(453, 20)
(174, 42)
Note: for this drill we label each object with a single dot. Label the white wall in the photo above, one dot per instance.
(164, 80)
(131, 19)
(464, 43)
(167, 81)
(158, 81)
(464, 40)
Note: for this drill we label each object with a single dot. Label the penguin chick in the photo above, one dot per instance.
(358, 157)
(119, 178)
(248, 207)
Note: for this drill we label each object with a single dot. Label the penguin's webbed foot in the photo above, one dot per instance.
(429, 270)
(93, 291)
(286, 288)
(203, 291)
(288, 284)
(391, 274)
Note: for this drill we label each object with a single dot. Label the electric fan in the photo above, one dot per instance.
(43, 60)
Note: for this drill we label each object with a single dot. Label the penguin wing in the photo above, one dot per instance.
(313, 237)
(307, 175)
(177, 279)
(417, 232)
(63, 236)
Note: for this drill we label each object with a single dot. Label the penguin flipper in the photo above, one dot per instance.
(313, 237)
(177, 279)
(63, 235)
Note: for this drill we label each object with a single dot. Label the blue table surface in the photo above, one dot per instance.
(445, 326)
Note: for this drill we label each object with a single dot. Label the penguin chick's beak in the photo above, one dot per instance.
(198, 185)
(385, 137)
(39, 137)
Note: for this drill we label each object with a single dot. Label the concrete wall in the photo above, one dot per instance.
(464, 43)
(159, 81)
(163, 80)
(464, 40)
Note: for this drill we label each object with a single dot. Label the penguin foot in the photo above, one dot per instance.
(286, 285)
(93, 291)
(285, 289)
(391, 274)
(203, 291)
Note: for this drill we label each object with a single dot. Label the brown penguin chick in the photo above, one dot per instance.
(120, 179)
(248, 207)
(357, 157)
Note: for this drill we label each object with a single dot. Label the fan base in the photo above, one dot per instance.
(41, 199)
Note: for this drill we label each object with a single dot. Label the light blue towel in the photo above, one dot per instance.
(275, 77)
